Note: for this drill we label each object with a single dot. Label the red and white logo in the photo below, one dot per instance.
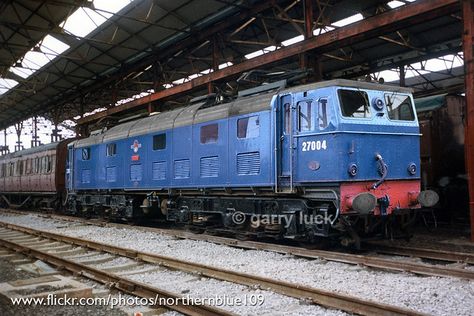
(135, 146)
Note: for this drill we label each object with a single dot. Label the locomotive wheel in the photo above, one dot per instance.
(244, 236)
(195, 230)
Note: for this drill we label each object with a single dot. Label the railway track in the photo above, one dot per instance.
(432, 254)
(348, 258)
(23, 239)
(18, 242)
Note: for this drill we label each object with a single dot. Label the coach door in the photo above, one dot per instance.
(285, 151)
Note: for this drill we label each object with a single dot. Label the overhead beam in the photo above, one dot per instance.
(468, 21)
(196, 37)
(412, 14)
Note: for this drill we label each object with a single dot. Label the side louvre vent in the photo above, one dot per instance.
(136, 172)
(248, 163)
(159, 170)
(86, 176)
(111, 174)
(182, 169)
(209, 167)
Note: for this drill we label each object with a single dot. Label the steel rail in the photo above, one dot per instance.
(364, 260)
(120, 283)
(434, 254)
(324, 298)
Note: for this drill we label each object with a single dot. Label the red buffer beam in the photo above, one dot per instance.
(384, 23)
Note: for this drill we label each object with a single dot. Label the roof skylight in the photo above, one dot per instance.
(348, 20)
(260, 52)
(48, 49)
(84, 20)
(6, 84)
(80, 23)
(293, 40)
(53, 46)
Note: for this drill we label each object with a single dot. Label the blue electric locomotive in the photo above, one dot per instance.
(336, 158)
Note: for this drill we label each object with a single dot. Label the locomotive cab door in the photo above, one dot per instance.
(69, 168)
(285, 147)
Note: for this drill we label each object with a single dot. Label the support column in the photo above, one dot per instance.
(468, 20)
(308, 31)
(55, 136)
(310, 60)
(34, 138)
(402, 76)
(215, 63)
(4, 149)
(18, 129)
(81, 130)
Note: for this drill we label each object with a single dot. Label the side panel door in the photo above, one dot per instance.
(285, 152)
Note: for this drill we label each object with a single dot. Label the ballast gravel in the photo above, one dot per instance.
(235, 298)
(431, 295)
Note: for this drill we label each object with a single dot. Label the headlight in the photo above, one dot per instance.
(378, 103)
(412, 169)
(352, 170)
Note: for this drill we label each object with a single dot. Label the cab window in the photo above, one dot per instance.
(399, 107)
(313, 115)
(354, 103)
(306, 116)
(323, 117)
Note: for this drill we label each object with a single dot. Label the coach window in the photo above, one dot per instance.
(36, 166)
(354, 103)
(159, 142)
(399, 107)
(111, 150)
(28, 166)
(248, 127)
(209, 133)
(40, 165)
(86, 153)
(48, 164)
(43, 165)
(52, 159)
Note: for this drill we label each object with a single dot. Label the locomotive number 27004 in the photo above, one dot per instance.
(314, 145)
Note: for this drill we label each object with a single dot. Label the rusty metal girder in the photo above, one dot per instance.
(468, 20)
(375, 26)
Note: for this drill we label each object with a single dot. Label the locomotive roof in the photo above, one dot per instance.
(194, 114)
(350, 84)
(198, 113)
(30, 151)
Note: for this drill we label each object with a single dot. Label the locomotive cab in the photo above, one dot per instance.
(358, 141)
